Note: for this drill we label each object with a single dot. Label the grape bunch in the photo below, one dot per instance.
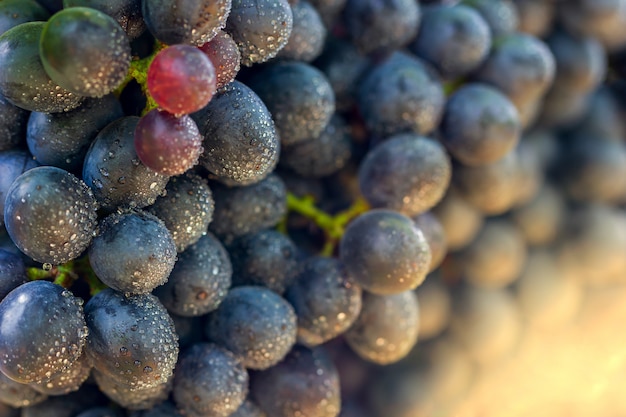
(302, 208)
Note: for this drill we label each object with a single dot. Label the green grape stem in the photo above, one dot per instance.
(332, 225)
(138, 71)
(65, 275)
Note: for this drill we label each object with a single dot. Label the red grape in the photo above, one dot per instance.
(223, 52)
(168, 144)
(181, 79)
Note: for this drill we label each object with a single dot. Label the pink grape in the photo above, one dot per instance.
(168, 144)
(181, 79)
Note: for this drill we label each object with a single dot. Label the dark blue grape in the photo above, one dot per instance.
(243, 210)
(381, 25)
(521, 66)
(326, 300)
(400, 94)
(480, 125)
(209, 381)
(407, 173)
(307, 37)
(298, 96)
(385, 252)
(15, 12)
(387, 327)
(133, 252)
(132, 398)
(322, 155)
(580, 61)
(23, 80)
(62, 139)
(85, 51)
(131, 340)
(16, 394)
(266, 258)
(126, 12)
(261, 28)
(501, 15)
(13, 122)
(343, 65)
(200, 279)
(435, 236)
(67, 381)
(50, 215)
(34, 348)
(455, 40)
(184, 21)
(306, 383)
(241, 145)
(114, 172)
(254, 323)
(12, 272)
(186, 209)
(13, 163)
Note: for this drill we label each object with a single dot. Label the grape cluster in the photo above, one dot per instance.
(256, 208)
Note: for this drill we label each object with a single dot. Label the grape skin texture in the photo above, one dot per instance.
(181, 79)
(400, 94)
(241, 145)
(243, 210)
(455, 40)
(387, 327)
(131, 340)
(326, 300)
(115, 173)
(50, 215)
(260, 28)
(133, 252)
(407, 173)
(126, 12)
(34, 348)
(385, 252)
(306, 383)
(16, 12)
(13, 163)
(224, 54)
(186, 209)
(200, 279)
(96, 51)
(298, 96)
(12, 272)
(62, 139)
(266, 258)
(192, 22)
(256, 324)
(168, 144)
(23, 80)
(209, 380)
(480, 125)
